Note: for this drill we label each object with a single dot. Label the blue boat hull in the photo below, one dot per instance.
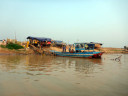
(79, 54)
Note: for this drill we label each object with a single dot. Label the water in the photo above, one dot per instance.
(62, 76)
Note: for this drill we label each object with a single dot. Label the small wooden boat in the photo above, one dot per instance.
(85, 50)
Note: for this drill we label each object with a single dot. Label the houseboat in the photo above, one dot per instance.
(85, 50)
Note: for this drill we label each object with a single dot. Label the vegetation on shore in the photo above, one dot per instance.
(11, 49)
(12, 46)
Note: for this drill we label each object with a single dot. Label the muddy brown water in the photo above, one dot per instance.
(35, 75)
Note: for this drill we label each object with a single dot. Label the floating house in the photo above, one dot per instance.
(57, 43)
(125, 47)
(39, 41)
(97, 45)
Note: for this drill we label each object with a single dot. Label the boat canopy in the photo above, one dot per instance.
(40, 38)
(84, 46)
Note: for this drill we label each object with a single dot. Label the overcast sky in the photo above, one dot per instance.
(104, 21)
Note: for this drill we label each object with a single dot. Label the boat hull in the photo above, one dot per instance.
(79, 54)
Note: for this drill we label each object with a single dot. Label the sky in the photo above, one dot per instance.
(103, 21)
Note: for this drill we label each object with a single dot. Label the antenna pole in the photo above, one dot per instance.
(15, 36)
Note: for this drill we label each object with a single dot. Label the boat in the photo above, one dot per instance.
(84, 50)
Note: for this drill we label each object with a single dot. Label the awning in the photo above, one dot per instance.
(40, 38)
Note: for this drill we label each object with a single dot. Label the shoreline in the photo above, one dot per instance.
(5, 51)
(113, 50)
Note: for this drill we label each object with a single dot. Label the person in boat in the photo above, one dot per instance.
(77, 46)
(72, 51)
(64, 48)
(86, 46)
(69, 48)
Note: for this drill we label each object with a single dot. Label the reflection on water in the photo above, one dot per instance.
(48, 64)
(35, 75)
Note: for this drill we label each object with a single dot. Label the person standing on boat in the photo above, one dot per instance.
(69, 48)
(64, 48)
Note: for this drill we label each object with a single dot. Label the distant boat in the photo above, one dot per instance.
(85, 50)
